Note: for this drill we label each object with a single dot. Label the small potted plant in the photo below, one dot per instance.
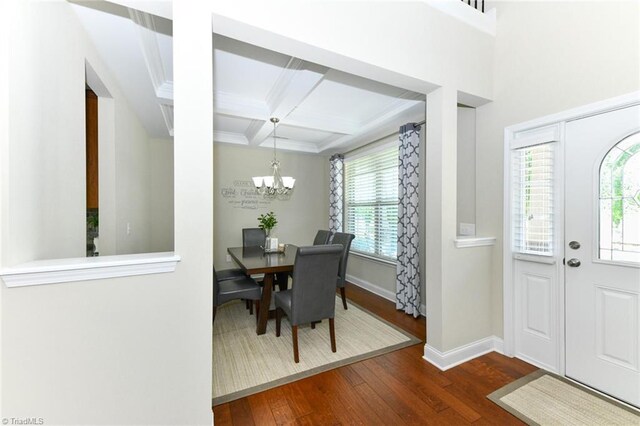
(267, 222)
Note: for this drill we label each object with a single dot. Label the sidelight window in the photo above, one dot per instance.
(533, 199)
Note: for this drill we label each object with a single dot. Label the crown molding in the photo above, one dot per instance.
(239, 106)
(230, 137)
(167, 114)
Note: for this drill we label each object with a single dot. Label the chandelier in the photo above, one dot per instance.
(275, 184)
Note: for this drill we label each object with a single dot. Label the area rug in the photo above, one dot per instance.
(542, 398)
(245, 363)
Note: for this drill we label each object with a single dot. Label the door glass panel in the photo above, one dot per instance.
(620, 202)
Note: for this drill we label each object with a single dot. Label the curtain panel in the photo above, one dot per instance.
(407, 266)
(336, 194)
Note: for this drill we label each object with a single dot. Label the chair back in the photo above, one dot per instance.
(343, 239)
(322, 237)
(215, 287)
(253, 237)
(313, 293)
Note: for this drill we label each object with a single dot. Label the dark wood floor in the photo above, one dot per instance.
(393, 389)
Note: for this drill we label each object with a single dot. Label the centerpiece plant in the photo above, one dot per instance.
(267, 222)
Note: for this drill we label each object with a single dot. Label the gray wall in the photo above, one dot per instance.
(466, 193)
(298, 217)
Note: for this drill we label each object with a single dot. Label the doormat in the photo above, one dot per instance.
(542, 398)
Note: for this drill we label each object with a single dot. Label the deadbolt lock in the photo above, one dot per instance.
(574, 245)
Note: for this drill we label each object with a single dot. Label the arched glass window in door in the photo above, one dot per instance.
(620, 202)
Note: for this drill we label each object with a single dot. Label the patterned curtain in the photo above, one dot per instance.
(336, 174)
(407, 267)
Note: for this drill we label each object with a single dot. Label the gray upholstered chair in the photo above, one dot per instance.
(253, 237)
(345, 240)
(241, 288)
(312, 296)
(322, 237)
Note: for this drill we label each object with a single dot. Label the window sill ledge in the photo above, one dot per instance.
(88, 268)
(466, 242)
(373, 258)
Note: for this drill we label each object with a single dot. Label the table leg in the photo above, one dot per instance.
(265, 303)
(282, 280)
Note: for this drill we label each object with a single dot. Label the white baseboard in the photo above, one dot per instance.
(384, 293)
(451, 358)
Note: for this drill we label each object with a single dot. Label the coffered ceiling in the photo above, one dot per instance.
(321, 110)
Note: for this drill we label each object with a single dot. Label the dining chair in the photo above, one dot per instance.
(253, 237)
(241, 288)
(322, 237)
(345, 240)
(312, 296)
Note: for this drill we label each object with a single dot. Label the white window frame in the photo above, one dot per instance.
(386, 144)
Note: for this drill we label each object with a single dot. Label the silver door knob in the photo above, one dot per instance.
(574, 263)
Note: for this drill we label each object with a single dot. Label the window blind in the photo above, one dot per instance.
(371, 202)
(533, 201)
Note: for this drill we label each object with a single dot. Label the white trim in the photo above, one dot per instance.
(379, 291)
(535, 137)
(536, 127)
(388, 142)
(537, 363)
(465, 242)
(374, 258)
(451, 358)
(88, 268)
(548, 260)
(583, 111)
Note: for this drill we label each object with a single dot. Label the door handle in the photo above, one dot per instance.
(574, 263)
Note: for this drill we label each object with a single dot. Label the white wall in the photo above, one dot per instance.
(299, 217)
(550, 56)
(161, 195)
(47, 212)
(466, 199)
(428, 48)
(133, 350)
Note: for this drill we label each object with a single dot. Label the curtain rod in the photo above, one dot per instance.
(420, 123)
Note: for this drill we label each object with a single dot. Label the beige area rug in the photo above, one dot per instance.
(542, 398)
(245, 363)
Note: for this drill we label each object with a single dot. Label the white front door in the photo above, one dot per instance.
(602, 252)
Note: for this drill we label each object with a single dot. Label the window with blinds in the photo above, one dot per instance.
(533, 190)
(371, 202)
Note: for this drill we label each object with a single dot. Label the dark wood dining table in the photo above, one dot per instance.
(254, 260)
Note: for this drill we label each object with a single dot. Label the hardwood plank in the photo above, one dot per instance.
(241, 412)
(280, 409)
(400, 399)
(437, 397)
(351, 376)
(222, 415)
(297, 400)
(260, 409)
(376, 404)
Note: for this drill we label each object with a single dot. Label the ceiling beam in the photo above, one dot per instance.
(294, 84)
(398, 108)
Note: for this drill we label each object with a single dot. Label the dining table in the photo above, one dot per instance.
(255, 260)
